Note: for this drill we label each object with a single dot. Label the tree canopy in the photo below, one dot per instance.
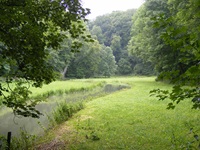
(27, 29)
(165, 34)
(113, 30)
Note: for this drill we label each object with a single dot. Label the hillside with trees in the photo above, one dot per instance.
(113, 30)
(107, 55)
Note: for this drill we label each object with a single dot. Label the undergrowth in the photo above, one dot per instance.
(24, 142)
(65, 110)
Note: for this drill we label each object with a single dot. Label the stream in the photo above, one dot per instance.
(11, 123)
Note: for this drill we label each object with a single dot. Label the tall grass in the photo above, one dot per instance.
(56, 88)
(63, 87)
(65, 110)
(24, 142)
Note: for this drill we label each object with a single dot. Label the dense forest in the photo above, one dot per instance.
(108, 55)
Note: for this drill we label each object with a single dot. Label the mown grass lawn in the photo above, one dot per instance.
(130, 119)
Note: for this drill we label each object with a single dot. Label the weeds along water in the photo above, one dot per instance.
(68, 100)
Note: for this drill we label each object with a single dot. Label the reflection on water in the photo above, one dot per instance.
(10, 123)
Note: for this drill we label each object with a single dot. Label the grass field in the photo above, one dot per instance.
(128, 119)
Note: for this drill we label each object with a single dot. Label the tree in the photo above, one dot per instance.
(145, 42)
(116, 47)
(96, 30)
(107, 65)
(85, 63)
(124, 66)
(116, 23)
(115, 28)
(164, 34)
(27, 29)
(181, 34)
(61, 57)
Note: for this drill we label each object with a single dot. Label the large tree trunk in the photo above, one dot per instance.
(64, 71)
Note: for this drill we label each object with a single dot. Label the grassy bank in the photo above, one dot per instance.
(128, 119)
(61, 103)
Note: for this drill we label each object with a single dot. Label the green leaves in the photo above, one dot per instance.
(16, 96)
(177, 95)
(27, 29)
(178, 58)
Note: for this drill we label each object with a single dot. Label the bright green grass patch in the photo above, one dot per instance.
(130, 119)
(63, 86)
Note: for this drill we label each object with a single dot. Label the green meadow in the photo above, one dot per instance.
(127, 119)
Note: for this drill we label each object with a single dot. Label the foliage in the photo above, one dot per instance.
(117, 23)
(62, 57)
(93, 60)
(27, 29)
(116, 46)
(85, 63)
(107, 65)
(113, 30)
(24, 141)
(3, 142)
(97, 33)
(124, 66)
(64, 111)
(16, 96)
(145, 42)
(165, 37)
(144, 68)
(182, 36)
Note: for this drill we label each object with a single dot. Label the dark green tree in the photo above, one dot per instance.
(145, 42)
(61, 58)
(181, 34)
(27, 29)
(124, 66)
(107, 65)
(85, 63)
(96, 30)
(164, 34)
(116, 47)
